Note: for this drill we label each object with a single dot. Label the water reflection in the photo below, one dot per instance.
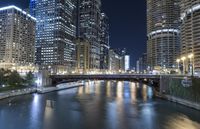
(97, 105)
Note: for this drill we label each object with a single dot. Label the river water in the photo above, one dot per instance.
(98, 105)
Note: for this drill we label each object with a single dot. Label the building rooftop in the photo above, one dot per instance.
(18, 9)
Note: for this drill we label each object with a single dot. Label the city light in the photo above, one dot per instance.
(178, 60)
(12, 6)
(183, 58)
(190, 56)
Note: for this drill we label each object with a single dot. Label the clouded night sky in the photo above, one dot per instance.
(127, 23)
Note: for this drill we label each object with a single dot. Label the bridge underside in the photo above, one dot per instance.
(57, 79)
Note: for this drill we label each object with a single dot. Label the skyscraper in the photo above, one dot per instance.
(141, 64)
(126, 62)
(190, 31)
(115, 61)
(163, 23)
(17, 39)
(82, 55)
(104, 41)
(89, 28)
(56, 31)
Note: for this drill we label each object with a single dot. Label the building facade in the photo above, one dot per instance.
(17, 39)
(56, 32)
(83, 55)
(163, 28)
(89, 28)
(141, 64)
(116, 61)
(190, 32)
(127, 62)
(104, 37)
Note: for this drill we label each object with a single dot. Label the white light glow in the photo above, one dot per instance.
(164, 31)
(14, 7)
(190, 11)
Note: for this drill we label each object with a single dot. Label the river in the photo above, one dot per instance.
(97, 105)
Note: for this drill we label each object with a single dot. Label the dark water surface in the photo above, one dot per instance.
(98, 105)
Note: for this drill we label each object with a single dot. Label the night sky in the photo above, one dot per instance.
(127, 23)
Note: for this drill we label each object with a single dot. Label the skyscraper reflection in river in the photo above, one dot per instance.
(97, 105)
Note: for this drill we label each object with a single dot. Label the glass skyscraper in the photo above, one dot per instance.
(55, 33)
(104, 55)
(163, 28)
(89, 28)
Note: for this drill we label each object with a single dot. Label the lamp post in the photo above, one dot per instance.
(178, 63)
(183, 59)
(191, 56)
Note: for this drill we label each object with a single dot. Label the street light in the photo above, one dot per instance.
(183, 59)
(191, 56)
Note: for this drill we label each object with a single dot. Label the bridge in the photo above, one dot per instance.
(148, 78)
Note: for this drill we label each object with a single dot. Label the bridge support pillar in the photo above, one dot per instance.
(44, 78)
(164, 84)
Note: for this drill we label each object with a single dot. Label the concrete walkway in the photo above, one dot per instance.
(181, 101)
(17, 92)
(41, 90)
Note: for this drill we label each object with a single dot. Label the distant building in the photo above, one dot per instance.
(190, 32)
(104, 41)
(138, 66)
(127, 62)
(90, 28)
(163, 28)
(56, 32)
(83, 55)
(115, 61)
(17, 39)
(141, 63)
(122, 53)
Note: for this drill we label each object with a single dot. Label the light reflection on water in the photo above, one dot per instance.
(97, 105)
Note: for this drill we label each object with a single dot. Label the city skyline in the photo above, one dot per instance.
(99, 64)
(134, 40)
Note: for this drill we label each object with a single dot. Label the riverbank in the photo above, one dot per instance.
(44, 90)
(18, 92)
(180, 101)
(41, 90)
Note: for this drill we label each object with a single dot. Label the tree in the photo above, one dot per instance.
(14, 79)
(29, 79)
(2, 77)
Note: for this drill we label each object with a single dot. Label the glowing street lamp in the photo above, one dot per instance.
(190, 56)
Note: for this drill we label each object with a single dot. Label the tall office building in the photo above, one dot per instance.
(142, 64)
(190, 30)
(17, 39)
(115, 61)
(127, 62)
(122, 52)
(56, 31)
(89, 28)
(82, 55)
(163, 28)
(104, 41)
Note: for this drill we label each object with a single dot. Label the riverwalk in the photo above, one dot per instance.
(40, 90)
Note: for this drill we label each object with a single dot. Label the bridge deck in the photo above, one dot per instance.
(114, 76)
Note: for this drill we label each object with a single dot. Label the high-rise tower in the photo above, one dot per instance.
(17, 39)
(190, 32)
(89, 28)
(56, 31)
(163, 28)
(104, 55)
